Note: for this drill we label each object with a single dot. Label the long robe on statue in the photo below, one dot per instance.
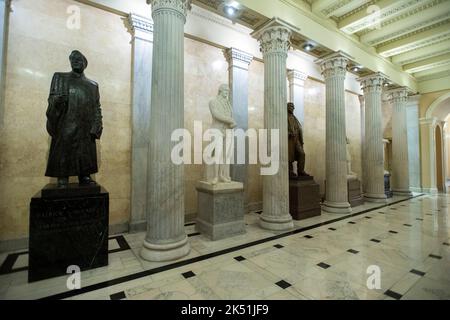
(74, 124)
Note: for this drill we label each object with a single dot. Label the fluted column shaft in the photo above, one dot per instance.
(166, 237)
(363, 130)
(334, 68)
(400, 165)
(373, 138)
(274, 46)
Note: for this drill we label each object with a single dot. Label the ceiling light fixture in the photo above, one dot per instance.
(308, 47)
(230, 10)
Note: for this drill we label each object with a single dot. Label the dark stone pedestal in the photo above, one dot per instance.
(387, 185)
(355, 197)
(304, 198)
(68, 227)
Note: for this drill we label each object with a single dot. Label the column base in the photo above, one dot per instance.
(402, 193)
(336, 207)
(375, 197)
(165, 252)
(276, 223)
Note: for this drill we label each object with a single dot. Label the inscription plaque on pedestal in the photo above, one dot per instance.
(304, 197)
(68, 227)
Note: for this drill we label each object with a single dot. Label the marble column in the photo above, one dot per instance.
(400, 166)
(363, 130)
(412, 116)
(297, 93)
(142, 30)
(238, 63)
(334, 68)
(4, 14)
(373, 143)
(274, 38)
(166, 238)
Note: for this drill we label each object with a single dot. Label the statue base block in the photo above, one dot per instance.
(304, 198)
(355, 197)
(68, 227)
(220, 209)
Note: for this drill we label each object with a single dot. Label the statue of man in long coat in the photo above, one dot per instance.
(295, 144)
(74, 122)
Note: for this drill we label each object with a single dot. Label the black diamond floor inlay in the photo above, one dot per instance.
(375, 240)
(419, 219)
(368, 217)
(308, 236)
(392, 294)
(188, 274)
(352, 251)
(407, 225)
(332, 229)
(323, 265)
(118, 296)
(435, 256)
(283, 284)
(446, 244)
(278, 246)
(392, 231)
(352, 222)
(418, 272)
(239, 258)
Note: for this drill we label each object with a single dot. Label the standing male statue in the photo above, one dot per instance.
(222, 114)
(295, 144)
(74, 122)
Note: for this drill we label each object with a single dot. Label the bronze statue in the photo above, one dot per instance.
(295, 144)
(74, 121)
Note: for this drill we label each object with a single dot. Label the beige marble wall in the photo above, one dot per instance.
(39, 45)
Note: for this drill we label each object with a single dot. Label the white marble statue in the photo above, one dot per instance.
(222, 115)
(350, 173)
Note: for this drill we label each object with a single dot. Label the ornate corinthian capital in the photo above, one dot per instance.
(334, 64)
(275, 40)
(373, 82)
(179, 6)
(398, 95)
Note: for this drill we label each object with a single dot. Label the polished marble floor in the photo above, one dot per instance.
(396, 251)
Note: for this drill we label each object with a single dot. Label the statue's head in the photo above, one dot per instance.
(224, 91)
(78, 61)
(290, 107)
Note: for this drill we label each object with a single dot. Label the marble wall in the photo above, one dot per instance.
(39, 45)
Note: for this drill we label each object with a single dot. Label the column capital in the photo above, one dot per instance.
(140, 23)
(178, 6)
(372, 82)
(296, 76)
(397, 95)
(238, 58)
(274, 36)
(334, 64)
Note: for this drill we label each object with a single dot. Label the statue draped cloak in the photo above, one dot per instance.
(295, 137)
(73, 124)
